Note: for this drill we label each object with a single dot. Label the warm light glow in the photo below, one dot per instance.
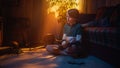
(59, 7)
(54, 9)
(49, 56)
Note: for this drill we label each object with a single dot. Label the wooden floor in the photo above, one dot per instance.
(40, 58)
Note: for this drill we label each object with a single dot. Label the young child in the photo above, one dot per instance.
(71, 36)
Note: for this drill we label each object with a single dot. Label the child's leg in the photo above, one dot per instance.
(53, 49)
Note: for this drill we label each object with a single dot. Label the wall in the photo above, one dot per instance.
(38, 16)
(15, 13)
(112, 2)
(90, 6)
(36, 11)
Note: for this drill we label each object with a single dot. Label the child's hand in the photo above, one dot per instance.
(64, 44)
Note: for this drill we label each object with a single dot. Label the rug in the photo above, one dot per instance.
(40, 58)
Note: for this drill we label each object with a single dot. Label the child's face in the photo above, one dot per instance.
(71, 21)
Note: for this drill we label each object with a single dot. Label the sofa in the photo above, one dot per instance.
(102, 35)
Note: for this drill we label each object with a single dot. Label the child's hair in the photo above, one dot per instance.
(74, 13)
